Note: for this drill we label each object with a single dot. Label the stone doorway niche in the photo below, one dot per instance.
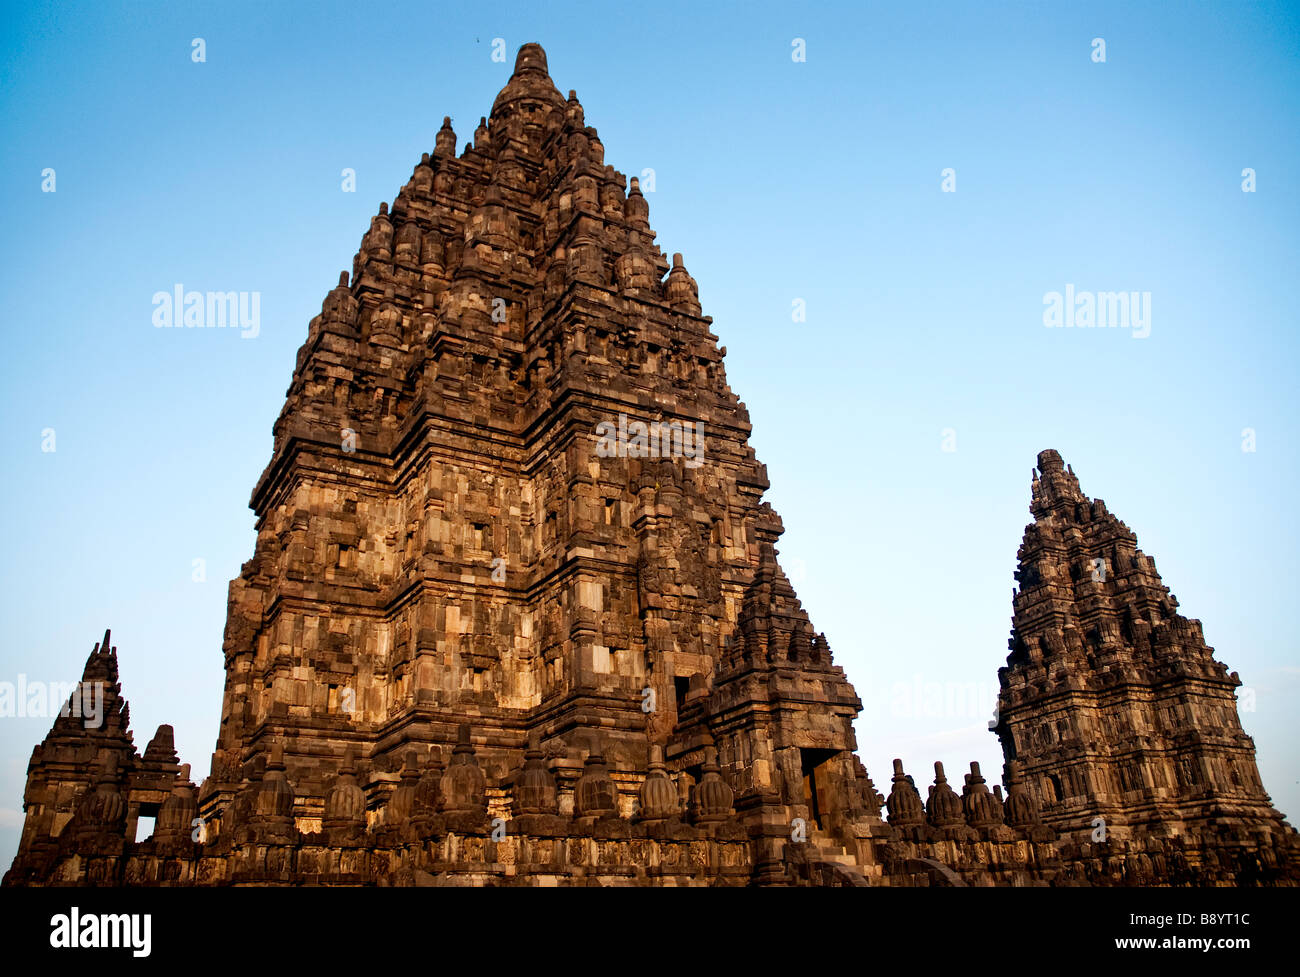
(816, 783)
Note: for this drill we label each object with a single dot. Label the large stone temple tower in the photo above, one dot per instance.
(443, 541)
(1111, 703)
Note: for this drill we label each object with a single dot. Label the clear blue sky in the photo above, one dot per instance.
(778, 181)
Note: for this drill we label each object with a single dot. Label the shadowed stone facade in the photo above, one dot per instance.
(515, 614)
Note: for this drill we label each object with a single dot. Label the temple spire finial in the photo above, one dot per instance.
(531, 57)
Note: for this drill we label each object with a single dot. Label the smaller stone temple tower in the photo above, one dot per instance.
(1112, 704)
(85, 779)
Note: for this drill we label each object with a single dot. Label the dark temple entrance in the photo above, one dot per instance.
(816, 781)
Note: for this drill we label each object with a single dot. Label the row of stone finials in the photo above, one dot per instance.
(459, 789)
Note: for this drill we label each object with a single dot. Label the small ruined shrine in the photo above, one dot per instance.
(515, 614)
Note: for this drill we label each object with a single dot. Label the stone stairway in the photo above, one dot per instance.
(830, 850)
